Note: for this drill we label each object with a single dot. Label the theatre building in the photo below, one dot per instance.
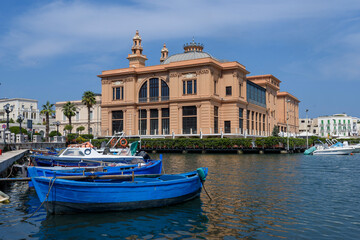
(190, 93)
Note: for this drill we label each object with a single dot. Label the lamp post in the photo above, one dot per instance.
(8, 109)
(57, 123)
(307, 135)
(20, 119)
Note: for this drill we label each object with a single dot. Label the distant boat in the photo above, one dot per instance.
(335, 148)
(84, 156)
(116, 193)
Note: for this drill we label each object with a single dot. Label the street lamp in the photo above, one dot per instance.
(57, 123)
(8, 109)
(307, 135)
(20, 119)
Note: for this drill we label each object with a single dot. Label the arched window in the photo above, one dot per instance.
(143, 93)
(155, 90)
(164, 91)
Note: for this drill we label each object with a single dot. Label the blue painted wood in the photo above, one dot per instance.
(94, 195)
(152, 167)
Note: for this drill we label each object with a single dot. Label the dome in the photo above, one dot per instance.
(186, 56)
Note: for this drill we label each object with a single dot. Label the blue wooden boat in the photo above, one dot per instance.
(151, 167)
(116, 193)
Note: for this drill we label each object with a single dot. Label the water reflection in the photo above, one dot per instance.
(182, 220)
(254, 197)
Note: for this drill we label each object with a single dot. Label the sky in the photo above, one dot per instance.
(54, 50)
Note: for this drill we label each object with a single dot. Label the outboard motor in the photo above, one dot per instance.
(143, 154)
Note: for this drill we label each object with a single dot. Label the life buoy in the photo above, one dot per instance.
(87, 151)
(123, 142)
(113, 142)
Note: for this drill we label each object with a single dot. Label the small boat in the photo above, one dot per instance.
(150, 167)
(336, 148)
(116, 192)
(83, 156)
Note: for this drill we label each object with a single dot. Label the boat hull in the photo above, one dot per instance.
(333, 151)
(72, 208)
(42, 160)
(68, 196)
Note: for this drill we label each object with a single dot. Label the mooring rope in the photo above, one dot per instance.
(47, 195)
(10, 171)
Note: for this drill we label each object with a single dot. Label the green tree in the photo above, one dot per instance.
(54, 133)
(68, 128)
(88, 99)
(69, 111)
(47, 110)
(80, 129)
(275, 131)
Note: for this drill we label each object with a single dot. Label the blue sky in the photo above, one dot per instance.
(54, 50)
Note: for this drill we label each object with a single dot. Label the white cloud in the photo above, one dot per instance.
(67, 27)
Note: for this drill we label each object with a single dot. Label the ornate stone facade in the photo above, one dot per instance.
(188, 93)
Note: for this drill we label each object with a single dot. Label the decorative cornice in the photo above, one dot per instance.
(202, 71)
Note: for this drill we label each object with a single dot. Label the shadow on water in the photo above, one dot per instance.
(178, 221)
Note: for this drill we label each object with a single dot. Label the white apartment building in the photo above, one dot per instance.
(81, 117)
(26, 107)
(337, 125)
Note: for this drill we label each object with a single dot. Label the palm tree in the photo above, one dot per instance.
(48, 111)
(89, 101)
(69, 111)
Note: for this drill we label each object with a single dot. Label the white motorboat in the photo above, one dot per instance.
(357, 148)
(335, 149)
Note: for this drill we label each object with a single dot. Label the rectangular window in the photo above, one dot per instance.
(248, 119)
(216, 119)
(264, 122)
(241, 118)
(118, 93)
(142, 121)
(189, 87)
(227, 125)
(154, 89)
(228, 91)
(189, 120)
(77, 116)
(91, 115)
(194, 86)
(252, 120)
(117, 121)
(154, 122)
(165, 121)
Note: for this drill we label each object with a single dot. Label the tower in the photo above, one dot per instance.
(164, 53)
(136, 58)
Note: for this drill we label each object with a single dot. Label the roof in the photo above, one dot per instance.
(187, 56)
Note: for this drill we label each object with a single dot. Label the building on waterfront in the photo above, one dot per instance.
(28, 108)
(337, 125)
(334, 126)
(81, 117)
(191, 93)
(310, 125)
